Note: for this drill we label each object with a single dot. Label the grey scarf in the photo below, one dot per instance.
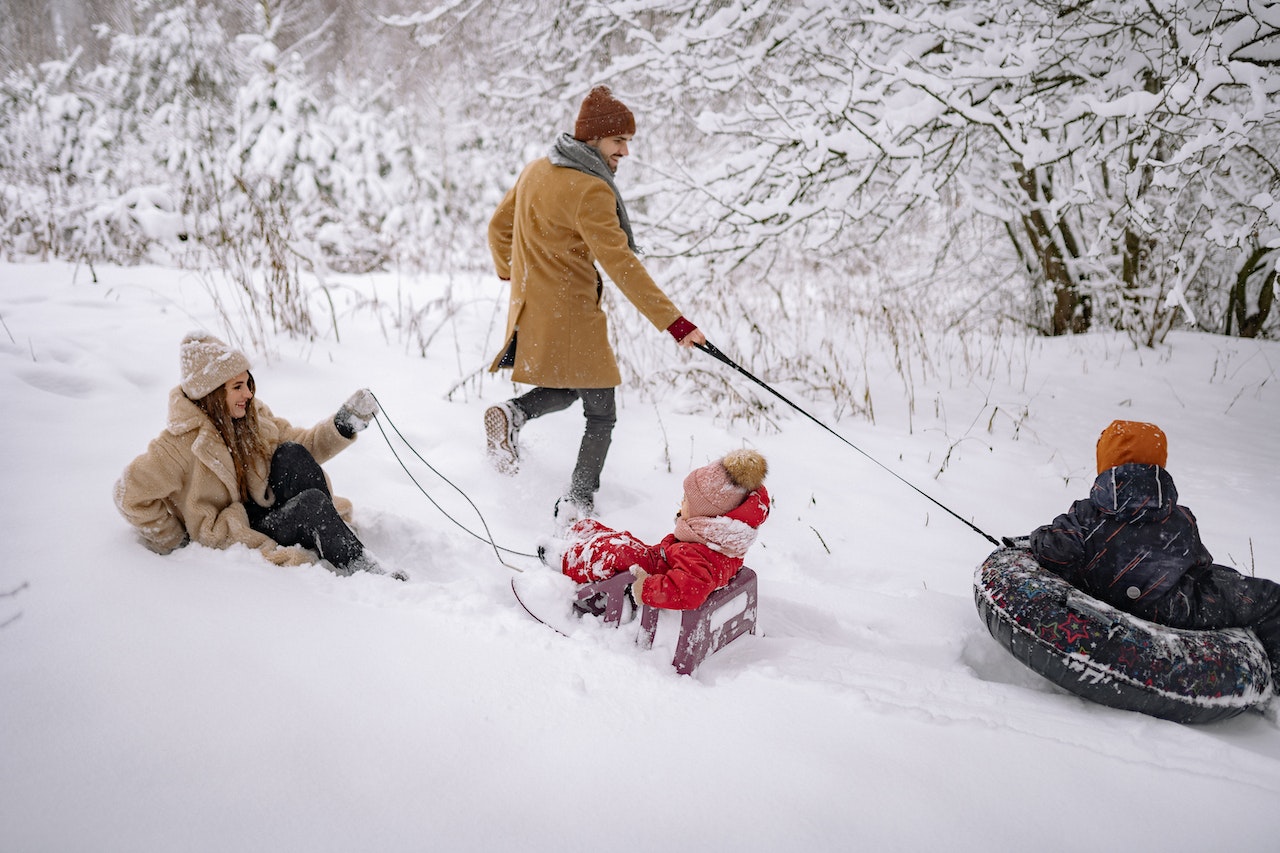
(572, 154)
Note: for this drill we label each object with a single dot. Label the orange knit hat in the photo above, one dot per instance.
(1131, 441)
(603, 115)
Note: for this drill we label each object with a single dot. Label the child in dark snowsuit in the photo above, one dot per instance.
(1131, 545)
(724, 504)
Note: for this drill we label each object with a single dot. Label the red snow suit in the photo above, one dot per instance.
(680, 574)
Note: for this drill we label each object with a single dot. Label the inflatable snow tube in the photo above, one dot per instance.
(1103, 654)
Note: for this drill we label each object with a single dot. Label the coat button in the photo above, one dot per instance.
(1133, 592)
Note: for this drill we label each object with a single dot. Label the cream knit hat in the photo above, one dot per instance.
(206, 364)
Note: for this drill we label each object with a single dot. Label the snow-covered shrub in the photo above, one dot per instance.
(50, 156)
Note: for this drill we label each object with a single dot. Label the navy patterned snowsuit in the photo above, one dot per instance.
(1131, 545)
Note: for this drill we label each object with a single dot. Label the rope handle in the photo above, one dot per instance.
(714, 352)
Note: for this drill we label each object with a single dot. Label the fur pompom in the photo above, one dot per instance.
(746, 468)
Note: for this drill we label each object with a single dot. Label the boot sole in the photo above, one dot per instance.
(497, 430)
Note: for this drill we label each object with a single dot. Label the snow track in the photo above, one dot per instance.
(209, 701)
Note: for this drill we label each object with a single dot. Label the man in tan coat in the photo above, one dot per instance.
(564, 215)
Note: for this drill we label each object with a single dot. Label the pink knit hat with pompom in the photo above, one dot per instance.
(723, 485)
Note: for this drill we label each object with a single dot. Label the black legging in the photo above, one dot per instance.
(303, 512)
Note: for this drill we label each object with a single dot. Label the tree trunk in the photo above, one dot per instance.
(1238, 306)
(1071, 310)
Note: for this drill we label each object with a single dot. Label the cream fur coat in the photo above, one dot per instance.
(185, 483)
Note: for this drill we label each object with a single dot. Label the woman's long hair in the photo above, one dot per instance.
(240, 435)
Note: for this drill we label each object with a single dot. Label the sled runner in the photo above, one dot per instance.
(545, 597)
(1103, 654)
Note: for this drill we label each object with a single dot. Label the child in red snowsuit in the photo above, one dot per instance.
(724, 505)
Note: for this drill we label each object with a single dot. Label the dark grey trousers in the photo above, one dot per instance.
(600, 410)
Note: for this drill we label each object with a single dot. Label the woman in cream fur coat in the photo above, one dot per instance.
(226, 471)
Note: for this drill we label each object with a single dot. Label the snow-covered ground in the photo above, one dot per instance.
(208, 701)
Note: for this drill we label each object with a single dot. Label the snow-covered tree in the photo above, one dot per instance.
(1126, 150)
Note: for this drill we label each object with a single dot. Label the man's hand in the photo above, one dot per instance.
(694, 338)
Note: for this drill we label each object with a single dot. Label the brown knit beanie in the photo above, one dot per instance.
(603, 115)
(1131, 441)
(722, 486)
(206, 364)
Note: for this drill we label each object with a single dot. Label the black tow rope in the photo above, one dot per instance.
(498, 550)
(710, 349)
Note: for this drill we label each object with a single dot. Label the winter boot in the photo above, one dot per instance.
(502, 428)
(571, 508)
(551, 552)
(366, 562)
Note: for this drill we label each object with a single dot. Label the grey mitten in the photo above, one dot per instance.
(356, 413)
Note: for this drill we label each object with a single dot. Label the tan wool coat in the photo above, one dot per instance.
(185, 483)
(546, 237)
